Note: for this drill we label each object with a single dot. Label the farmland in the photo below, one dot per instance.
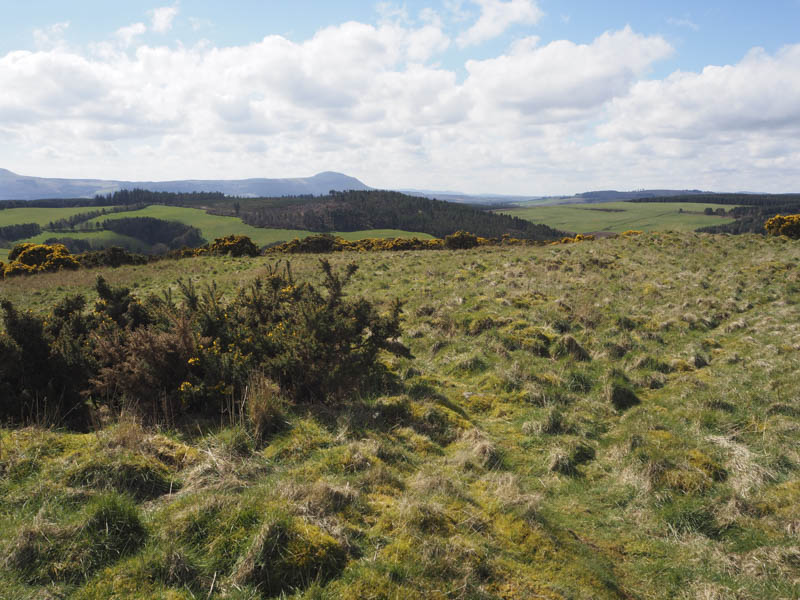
(211, 226)
(622, 216)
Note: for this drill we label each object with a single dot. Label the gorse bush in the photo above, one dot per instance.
(45, 364)
(165, 359)
(34, 258)
(788, 225)
(235, 245)
(27, 258)
(460, 240)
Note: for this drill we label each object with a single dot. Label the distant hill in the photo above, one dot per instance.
(22, 187)
(383, 209)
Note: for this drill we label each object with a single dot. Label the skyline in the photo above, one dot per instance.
(482, 96)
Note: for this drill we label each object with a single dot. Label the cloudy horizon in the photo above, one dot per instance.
(479, 96)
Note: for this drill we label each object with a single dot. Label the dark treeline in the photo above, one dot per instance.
(134, 196)
(140, 196)
(75, 220)
(157, 231)
(378, 209)
(751, 214)
(54, 203)
(74, 245)
(11, 233)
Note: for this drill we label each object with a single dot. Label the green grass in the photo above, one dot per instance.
(100, 239)
(622, 216)
(42, 216)
(510, 462)
(214, 226)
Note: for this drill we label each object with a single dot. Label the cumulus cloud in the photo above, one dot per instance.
(161, 18)
(761, 93)
(497, 16)
(374, 101)
(563, 80)
(127, 34)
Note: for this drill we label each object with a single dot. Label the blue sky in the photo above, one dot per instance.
(513, 96)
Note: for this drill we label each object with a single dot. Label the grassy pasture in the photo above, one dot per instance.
(214, 226)
(622, 216)
(611, 419)
(42, 216)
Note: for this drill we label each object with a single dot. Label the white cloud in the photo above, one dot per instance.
(563, 80)
(497, 16)
(374, 101)
(759, 94)
(51, 36)
(389, 12)
(127, 34)
(161, 18)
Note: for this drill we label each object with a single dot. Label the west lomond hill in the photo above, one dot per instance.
(21, 187)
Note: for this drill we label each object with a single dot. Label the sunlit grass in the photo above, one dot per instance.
(507, 465)
(622, 216)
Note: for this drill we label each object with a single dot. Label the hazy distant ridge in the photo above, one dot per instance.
(22, 187)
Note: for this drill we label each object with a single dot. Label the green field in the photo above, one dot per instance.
(622, 216)
(214, 226)
(614, 420)
(99, 239)
(42, 216)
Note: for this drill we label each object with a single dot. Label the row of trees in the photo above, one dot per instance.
(11, 233)
(171, 234)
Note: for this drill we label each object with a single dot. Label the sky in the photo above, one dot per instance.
(524, 97)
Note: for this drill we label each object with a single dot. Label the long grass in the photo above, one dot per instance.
(509, 462)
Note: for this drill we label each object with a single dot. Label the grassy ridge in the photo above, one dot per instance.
(614, 419)
(621, 216)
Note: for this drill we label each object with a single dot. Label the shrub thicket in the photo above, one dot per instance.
(164, 360)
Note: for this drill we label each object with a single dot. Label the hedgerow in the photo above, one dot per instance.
(165, 359)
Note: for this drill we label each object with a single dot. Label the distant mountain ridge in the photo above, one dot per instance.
(23, 187)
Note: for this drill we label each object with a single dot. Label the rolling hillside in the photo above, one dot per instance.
(613, 419)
